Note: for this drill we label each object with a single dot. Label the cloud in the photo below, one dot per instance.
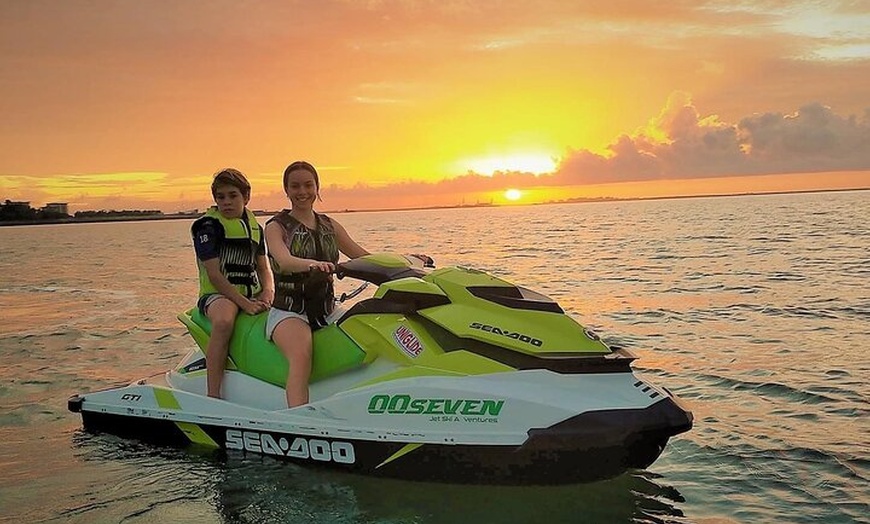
(386, 93)
(127, 190)
(679, 144)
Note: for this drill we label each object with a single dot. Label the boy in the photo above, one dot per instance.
(234, 273)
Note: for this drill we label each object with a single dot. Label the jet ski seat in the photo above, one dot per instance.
(253, 355)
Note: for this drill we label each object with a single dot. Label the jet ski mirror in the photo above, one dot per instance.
(426, 260)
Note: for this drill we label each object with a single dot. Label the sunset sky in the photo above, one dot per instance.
(134, 105)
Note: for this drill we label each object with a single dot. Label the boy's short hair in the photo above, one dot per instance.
(231, 177)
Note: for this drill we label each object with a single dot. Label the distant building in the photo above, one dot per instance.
(11, 211)
(59, 208)
(9, 204)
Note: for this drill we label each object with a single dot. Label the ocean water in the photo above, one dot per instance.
(755, 310)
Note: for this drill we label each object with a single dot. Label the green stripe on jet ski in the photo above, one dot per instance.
(165, 399)
(197, 435)
(407, 448)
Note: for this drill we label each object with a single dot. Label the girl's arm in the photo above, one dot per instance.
(346, 244)
(286, 262)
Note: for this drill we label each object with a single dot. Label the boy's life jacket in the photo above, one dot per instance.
(238, 244)
(311, 292)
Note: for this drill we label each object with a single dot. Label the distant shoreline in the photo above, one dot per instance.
(592, 200)
(88, 220)
(178, 216)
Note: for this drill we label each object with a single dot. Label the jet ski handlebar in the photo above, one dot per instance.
(378, 268)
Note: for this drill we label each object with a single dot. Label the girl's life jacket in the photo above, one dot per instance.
(310, 292)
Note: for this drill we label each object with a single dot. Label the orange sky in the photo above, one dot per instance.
(133, 105)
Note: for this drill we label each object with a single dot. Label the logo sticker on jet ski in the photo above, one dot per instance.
(300, 448)
(407, 405)
(408, 341)
(509, 334)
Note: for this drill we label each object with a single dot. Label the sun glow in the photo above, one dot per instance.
(513, 194)
(526, 163)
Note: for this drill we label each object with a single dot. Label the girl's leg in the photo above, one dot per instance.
(293, 337)
(222, 314)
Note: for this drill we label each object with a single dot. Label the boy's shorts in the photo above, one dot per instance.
(276, 316)
(206, 300)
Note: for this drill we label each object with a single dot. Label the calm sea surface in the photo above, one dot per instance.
(755, 310)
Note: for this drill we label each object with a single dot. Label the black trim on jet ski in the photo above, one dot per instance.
(516, 298)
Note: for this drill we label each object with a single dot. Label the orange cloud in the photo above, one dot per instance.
(681, 144)
(677, 144)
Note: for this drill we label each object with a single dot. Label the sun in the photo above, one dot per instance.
(513, 194)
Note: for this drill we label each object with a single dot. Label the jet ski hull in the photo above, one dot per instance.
(494, 465)
(588, 446)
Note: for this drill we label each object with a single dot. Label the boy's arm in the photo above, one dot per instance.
(219, 281)
(206, 241)
(264, 272)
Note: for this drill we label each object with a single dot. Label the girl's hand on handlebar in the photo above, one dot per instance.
(325, 267)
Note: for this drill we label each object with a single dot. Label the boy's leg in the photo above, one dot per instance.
(293, 337)
(222, 314)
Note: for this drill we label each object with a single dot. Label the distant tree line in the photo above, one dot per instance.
(122, 213)
(22, 212)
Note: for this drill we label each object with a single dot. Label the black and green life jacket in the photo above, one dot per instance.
(311, 292)
(238, 253)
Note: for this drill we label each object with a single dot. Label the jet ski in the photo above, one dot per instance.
(448, 375)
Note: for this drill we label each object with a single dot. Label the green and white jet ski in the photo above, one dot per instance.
(447, 374)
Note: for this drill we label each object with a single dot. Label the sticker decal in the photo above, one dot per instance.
(408, 341)
(407, 405)
(300, 447)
